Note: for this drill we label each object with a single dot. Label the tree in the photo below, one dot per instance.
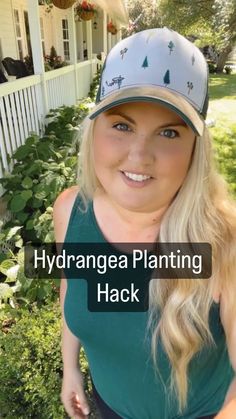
(211, 21)
(166, 78)
(143, 14)
(145, 63)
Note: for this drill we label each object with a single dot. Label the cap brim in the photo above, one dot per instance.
(165, 97)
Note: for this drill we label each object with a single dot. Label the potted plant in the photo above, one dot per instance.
(85, 10)
(63, 4)
(111, 27)
(53, 61)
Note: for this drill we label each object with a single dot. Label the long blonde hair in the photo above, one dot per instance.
(205, 213)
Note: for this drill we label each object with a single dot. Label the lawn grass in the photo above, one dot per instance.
(222, 86)
(222, 109)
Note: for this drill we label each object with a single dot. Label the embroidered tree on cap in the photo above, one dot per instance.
(190, 86)
(166, 78)
(171, 46)
(123, 52)
(145, 63)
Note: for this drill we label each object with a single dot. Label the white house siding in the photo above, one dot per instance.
(7, 31)
(97, 33)
(48, 24)
(55, 37)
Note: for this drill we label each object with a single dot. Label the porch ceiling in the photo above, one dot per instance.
(115, 9)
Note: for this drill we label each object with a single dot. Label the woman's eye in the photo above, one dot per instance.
(121, 126)
(169, 133)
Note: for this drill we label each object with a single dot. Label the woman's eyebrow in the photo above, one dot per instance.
(118, 113)
(174, 124)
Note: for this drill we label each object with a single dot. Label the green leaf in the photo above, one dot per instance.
(27, 182)
(5, 265)
(21, 256)
(19, 243)
(17, 203)
(36, 203)
(29, 225)
(12, 232)
(32, 140)
(22, 216)
(5, 291)
(22, 152)
(41, 195)
(12, 273)
(26, 195)
(49, 238)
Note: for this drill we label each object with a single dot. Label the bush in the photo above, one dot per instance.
(228, 69)
(31, 365)
(212, 67)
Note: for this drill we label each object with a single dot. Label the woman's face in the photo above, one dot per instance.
(142, 152)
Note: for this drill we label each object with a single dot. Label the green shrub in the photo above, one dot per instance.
(225, 146)
(212, 67)
(31, 365)
(228, 69)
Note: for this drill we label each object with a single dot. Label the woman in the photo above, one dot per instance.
(147, 176)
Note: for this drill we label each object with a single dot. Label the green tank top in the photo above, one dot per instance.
(119, 355)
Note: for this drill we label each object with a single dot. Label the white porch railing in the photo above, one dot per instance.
(20, 113)
(25, 102)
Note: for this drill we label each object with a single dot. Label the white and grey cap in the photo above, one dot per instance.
(156, 65)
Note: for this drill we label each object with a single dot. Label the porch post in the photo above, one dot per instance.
(73, 47)
(89, 39)
(108, 36)
(37, 51)
(105, 32)
(80, 41)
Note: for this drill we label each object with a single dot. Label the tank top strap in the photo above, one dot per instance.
(82, 226)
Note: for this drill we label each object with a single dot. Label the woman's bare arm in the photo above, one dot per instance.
(72, 393)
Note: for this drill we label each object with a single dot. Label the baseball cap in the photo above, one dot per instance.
(156, 65)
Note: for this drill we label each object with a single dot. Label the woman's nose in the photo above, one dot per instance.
(141, 151)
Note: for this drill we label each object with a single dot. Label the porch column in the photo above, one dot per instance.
(37, 51)
(89, 39)
(73, 47)
(104, 42)
(80, 41)
(119, 32)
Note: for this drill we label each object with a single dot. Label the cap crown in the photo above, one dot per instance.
(157, 57)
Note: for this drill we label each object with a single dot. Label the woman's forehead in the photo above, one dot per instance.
(144, 109)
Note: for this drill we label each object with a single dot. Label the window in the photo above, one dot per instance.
(42, 36)
(65, 37)
(19, 38)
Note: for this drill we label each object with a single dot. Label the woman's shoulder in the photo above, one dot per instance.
(61, 211)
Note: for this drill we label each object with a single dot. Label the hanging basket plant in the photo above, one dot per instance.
(111, 27)
(85, 10)
(63, 4)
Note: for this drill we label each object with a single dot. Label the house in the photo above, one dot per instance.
(28, 27)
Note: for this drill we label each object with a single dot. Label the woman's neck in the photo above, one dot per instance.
(121, 224)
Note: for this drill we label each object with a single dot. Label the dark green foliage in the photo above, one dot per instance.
(94, 86)
(225, 146)
(44, 167)
(212, 67)
(228, 69)
(31, 365)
